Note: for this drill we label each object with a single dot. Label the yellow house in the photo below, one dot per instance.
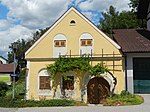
(74, 35)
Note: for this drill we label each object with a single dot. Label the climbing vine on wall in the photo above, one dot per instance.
(98, 69)
(63, 65)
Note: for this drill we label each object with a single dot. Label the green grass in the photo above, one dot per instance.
(4, 79)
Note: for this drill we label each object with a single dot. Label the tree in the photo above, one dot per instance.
(109, 20)
(112, 19)
(23, 46)
(134, 5)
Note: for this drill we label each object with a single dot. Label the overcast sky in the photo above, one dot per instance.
(20, 18)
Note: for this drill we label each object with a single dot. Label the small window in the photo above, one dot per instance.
(83, 42)
(56, 43)
(86, 42)
(72, 23)
(68, 84)
(89, 42)
(44, 82)
(60, 43)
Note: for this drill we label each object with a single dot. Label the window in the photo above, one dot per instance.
(44, 82)
(86, 42)
(60, 43)
(83, 42)
(72, 23)
(68, 84)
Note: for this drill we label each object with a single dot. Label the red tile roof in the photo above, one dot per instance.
(6, 68)
(133, 40)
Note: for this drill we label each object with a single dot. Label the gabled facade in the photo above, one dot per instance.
(74, 35)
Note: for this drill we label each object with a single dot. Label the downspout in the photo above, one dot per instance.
(126, 79)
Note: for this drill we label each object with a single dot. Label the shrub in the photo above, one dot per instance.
(8, 102)
(3, 88)
(124, 98)
(19, 86)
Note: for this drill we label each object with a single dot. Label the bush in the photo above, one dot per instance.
(3, 88)
(19, 86)
(8, 102)
(124, 98)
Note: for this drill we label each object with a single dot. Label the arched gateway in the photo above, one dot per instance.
(97, 89)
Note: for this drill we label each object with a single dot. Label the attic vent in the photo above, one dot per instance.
(72, 23)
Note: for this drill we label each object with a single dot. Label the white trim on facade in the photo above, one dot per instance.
(130, 56)
(86, 49)
(59, 20)
(28, 80)
(43, 72)
(59, 50)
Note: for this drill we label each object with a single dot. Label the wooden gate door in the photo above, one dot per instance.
(97, 90)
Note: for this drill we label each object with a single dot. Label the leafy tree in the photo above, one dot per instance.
(23, 46)
(112, 19)
(134, 5)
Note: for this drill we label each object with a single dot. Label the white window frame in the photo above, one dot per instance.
(44, 92)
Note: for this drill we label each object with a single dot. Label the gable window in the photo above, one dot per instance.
(44, 82)
(60, 43)
(86, 42)
(72, 23)
(68, 84)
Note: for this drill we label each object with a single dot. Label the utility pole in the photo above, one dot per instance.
(13, 76)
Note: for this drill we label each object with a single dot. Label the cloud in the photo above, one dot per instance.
(26, 16)
(86, 5)
(102, 5)
(93, 8)
(35, 13)
(13, 34)
(4, 24)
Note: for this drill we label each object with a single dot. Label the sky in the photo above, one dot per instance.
(19, 19)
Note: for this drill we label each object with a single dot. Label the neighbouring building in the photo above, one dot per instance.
(74, 35)
(6, 70)
(135, 45)
(3, 60)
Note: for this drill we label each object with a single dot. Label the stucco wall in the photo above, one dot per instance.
(72, 34)
(44, 49)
